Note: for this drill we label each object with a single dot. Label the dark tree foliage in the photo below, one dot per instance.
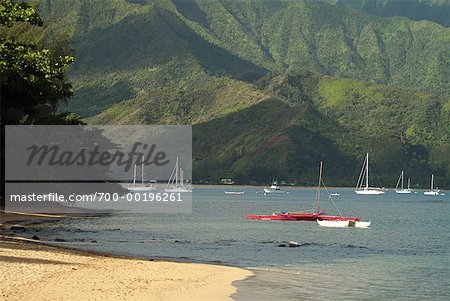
(32, 80)
(12, 12)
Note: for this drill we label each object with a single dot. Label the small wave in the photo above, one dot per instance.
(226, 242)
(356, 247)
(284, 241)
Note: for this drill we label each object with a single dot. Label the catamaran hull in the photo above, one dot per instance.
(310, 217)
(343, 223)
(338, 218)
(280, 217)
(333, 224)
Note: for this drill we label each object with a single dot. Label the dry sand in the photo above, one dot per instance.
(32, 271)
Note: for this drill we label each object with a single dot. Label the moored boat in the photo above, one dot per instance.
(274, 189)
(401, 190)
(176, 181)
(432, 191)
(143, 186)
(287, 216)
(235, 192)
(273, 217)
(362, 187)
(310, 215)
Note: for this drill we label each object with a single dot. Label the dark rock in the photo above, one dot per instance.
(18, 228)
(35, 237)
(93, 241)
(59, 239)
(282, 246)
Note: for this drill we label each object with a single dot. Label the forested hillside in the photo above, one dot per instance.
(433, 10)
(271, 87)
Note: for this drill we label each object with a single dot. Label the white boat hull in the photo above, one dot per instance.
(344, 224)
(333, 224)
(370, 191)
(361, 224)
(431, 192)
(141, 188)
(234, 192)
(273, 191)
(178, 189)
(403, 191)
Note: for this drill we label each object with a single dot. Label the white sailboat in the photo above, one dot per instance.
(432, 191)
(140, 186)
(401, 190)
(176, 181)
(336, 221)
(362, 187)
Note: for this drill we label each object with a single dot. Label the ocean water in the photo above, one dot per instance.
(405, 255)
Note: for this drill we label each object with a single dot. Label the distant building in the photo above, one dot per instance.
(227, 181)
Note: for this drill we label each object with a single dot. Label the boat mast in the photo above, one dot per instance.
(367, 170)
(142, 173)
(402, 179)
(409, 183)
(176, 173)
(134, 175)
(318, 188)
(181, 177)
(432, 180)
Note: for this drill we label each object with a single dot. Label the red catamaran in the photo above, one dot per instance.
(310, 216)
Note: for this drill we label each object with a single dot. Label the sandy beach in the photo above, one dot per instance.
(33, 271)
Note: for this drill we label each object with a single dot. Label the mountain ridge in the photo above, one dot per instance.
(329, 78)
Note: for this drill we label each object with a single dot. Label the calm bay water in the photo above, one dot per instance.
(405, 255)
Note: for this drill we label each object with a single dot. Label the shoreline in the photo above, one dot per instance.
(37, 270)
(236, 186)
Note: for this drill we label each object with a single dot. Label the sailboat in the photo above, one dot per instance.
(336, 221)
(142, 186)
(274, 189)
(176, 181)
(362, 187)
(432, 191)
(310, 215)
(402, 190)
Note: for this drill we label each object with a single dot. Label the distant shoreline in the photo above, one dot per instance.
(231, 187)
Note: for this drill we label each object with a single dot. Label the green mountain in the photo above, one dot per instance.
(433, 10)
(271, 87)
